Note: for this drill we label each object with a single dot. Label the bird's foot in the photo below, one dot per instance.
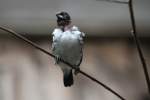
(57, 59)
(76, 71)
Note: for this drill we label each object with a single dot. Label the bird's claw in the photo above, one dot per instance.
(57, 59)
(76, 71)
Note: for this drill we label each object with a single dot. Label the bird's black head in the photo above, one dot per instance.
(63, 18)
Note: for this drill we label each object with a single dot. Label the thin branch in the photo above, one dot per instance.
(116, 1)
(46, 52)
(134, 33)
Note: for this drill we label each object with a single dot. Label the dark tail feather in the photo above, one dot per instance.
(68, 78)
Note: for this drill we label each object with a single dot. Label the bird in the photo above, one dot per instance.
(67, 44)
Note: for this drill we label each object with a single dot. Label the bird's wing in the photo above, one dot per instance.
(56, 35)
(80, 35)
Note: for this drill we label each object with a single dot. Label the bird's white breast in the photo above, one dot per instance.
(70, 47)
(69, 40)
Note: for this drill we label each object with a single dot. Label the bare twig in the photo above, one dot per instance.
(46, 52)
(116, 1)
(134, 33)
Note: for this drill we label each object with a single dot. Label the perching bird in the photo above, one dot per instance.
(67, 45)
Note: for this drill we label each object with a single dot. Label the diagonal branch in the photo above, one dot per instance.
(116, 1)
(46, 52)
(135, 37)
(134, 33)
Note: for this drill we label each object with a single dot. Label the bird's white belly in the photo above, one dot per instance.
(70, 49)
(69, 43)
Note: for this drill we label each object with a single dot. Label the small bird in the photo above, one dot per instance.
(67, 45)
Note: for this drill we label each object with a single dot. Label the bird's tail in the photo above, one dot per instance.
(68, 78)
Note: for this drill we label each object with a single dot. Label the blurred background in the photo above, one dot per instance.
(110, 53)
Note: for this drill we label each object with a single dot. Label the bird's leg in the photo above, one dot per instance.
(57, 59)
(76, 71)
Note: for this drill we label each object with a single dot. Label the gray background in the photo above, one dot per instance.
(93, 16)
(110, 54)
